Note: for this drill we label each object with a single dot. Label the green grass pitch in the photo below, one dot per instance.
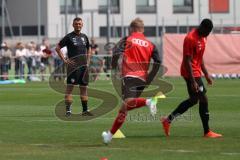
(29, 129)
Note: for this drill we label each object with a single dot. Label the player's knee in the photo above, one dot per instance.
(68, 97)
(123, 109)
(193, 100)
(130, 102)
(203, 99)
(84, 98)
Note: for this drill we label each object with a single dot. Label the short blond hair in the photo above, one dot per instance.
(137, 24)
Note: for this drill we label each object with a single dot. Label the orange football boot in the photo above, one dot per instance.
(211, 134)
(166, 126)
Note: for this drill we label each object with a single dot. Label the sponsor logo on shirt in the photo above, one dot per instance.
(140, 42)
(74, 41)
(83, 40)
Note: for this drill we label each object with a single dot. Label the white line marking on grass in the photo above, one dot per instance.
(58, 120)
(42, 145)
(192, 151)
(105, 147)
(178, 151)
(231, 154)
(88, 146)
(225, 95)
(52, 120)
(15, 89)
(213, 96)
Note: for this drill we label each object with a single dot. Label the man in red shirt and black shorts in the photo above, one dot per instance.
(191, 70)
(136, 54)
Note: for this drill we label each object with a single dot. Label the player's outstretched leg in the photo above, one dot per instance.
(129, 104)
(182, 107)
(107, 135)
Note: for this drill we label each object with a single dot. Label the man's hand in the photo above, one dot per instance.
(209, 80)
(195, 86)
(70, 62)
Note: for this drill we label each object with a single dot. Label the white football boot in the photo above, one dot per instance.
(152, 104)
(107, 137)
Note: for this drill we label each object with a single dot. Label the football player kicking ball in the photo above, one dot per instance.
(137, 53)
(191, 68)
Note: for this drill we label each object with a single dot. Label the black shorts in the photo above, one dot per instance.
(191, 91)
(132, 87)
(78, 76)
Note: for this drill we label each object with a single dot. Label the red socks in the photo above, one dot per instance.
(131, 104)
(118, 122)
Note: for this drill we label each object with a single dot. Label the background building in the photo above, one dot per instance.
(53, 18)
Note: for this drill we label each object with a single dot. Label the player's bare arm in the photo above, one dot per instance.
(187, 61)
(205, 72)
(156, 66)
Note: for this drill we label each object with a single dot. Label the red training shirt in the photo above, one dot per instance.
(137, 56)
(193, 46)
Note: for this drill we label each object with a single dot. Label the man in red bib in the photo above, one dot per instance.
(136, 53)
(191, 70)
